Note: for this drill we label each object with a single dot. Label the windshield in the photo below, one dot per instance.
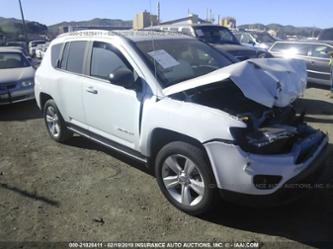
(12, 60)
(215, 34)
(244, 37)
(264, 38)
(180, 59)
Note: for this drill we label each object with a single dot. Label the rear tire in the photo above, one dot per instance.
(185, 177)
(55, 123)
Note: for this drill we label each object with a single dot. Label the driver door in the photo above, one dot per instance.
(112, 111)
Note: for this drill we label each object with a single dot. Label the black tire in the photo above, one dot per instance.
(63, 134)
(197, 156)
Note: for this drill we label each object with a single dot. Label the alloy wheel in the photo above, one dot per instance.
(183, 180)
(52, 121)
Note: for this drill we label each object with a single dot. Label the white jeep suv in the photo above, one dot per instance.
(180, 106)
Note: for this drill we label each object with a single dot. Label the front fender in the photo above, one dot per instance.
(193, 120)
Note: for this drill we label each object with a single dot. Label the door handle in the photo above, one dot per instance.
(92, 90)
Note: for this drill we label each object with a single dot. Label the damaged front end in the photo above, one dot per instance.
(276, 130)
(260, 93)
(273, 146)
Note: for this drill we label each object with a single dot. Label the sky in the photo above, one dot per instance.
(317, 13)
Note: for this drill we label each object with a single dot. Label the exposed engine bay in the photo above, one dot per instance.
(277, 130)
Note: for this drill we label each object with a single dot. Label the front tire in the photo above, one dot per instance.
(55, 123)
(185, 177)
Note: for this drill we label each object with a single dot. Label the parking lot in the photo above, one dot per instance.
(81, 191)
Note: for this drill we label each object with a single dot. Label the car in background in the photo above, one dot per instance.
(314, 53)
(219, 37)
(32, 46)
(261, 40)
(40, 50)
(21, 44)
(16, 76)
(326, 34)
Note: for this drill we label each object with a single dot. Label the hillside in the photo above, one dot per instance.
(284, 30)
(97, 22)
(13, 27)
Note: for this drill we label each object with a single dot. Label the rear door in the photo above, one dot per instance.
(318, 66)
(70, 82)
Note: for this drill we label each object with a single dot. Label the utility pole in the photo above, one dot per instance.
(23, 21)
(158, 13)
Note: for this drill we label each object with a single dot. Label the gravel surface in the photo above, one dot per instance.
(81, 191)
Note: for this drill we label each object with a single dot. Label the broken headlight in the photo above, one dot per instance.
(266, 140)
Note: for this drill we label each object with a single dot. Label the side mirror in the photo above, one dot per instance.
(123, 77)
(32, 62)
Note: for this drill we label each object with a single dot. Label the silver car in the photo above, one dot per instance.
(314, 53)
(16, 76)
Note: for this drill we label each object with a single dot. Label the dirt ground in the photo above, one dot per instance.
(81, 191)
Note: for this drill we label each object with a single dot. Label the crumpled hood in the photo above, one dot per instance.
(16, 74)
(270, 82)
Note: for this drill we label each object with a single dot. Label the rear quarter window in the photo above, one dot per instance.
(55, 54)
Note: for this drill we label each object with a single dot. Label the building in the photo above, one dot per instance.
(2, 38)
(190, 19)
(65, 29)
(229, 22)
(143, 20)
(272, 32)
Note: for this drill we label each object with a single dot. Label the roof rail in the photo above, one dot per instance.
(90, 32)
(120, 33)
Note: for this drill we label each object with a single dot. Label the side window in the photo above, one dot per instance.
(105, 60)
(291, 48)
(76, 56)
(278, 47)
(320, 51)
(55, 54)
(302, 49)
(245, 38)
(225, 35)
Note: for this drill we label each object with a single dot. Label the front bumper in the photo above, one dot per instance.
(235, 169)
(15, 96)
(294, 189)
